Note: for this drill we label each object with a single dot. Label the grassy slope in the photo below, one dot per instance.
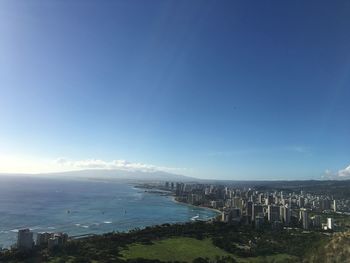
(187, 249)
(181, 249)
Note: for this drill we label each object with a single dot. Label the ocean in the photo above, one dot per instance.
(80, 207)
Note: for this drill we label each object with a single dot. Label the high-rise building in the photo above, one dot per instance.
(273, 213)
(249, 208)
(277, 200)
(330, 224)
(334, 205)
(257, 210)
(225, 216)
(325, 204)
(52, 242)
(269, 200)
(228, 202)
(237, 202)
(317, 221)
(285, 214)
(236, 214)
(179, 188)
(25, 239)
(260, 198)
(301, 202)
(304, 216)
(42, 239)
(233, 214)
(195, 198)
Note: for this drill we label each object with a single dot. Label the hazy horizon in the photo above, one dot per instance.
(213, 90)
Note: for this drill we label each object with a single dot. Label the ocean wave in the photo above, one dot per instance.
(107, 222)
(195, 218)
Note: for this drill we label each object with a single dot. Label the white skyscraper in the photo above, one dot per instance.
(285, 214)
(330, 223)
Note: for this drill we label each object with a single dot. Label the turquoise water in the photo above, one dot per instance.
(83, 207)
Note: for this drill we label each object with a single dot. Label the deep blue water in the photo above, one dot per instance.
(82, 207)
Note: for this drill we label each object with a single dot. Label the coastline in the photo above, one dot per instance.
(173, 198)
(209, 208)
(75, 222)
(175, 201)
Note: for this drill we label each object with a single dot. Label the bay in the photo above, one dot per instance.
(80, 207)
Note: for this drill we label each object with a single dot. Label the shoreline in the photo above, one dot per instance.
(197, 206)
(175, 201)
(173, 198)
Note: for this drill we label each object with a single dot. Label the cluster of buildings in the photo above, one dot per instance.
(25, 239)
(262, 208)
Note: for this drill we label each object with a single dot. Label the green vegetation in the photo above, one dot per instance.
(183, 249)
(175, 249)
(218, 242)
(278, 258)
(336, 249)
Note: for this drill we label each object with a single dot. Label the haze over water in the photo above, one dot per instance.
(83, 207)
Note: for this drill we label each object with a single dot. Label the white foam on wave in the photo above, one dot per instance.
(14, 230)
(51, 227)
(85, 226)
(195, 218)
(77, 224)
(107, 222)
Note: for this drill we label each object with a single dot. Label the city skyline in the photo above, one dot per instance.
(228, 90)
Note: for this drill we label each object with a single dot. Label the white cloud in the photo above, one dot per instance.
(28, 164)
(341, 174)
(115, 164)
(344, 172)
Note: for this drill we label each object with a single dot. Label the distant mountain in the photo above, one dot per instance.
(114, 174)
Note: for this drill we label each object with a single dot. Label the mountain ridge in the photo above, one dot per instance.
(119, 174)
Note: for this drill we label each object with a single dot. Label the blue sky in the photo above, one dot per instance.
(211, 89)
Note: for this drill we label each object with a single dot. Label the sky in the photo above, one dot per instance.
(212, 89)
